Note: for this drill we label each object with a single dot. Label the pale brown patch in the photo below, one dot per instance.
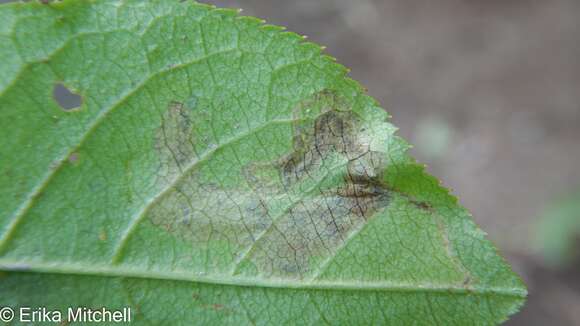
(284, 218)
(173, 141)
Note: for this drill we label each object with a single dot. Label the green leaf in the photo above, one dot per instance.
(218, 171)
(557, 233)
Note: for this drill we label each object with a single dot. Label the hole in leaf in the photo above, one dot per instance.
(66, 99)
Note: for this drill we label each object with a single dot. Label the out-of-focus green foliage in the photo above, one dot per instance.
(558, 231)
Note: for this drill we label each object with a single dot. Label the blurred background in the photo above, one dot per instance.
(489, 94)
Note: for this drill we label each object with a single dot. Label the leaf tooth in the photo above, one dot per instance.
(313, 48)
(249, 20)
(326, 56)
(204, 6)
(228, 12)
(290, 37)
(271, 28)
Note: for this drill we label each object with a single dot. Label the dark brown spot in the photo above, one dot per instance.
(422, 205)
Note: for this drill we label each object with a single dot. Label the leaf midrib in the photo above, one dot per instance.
(115, 271)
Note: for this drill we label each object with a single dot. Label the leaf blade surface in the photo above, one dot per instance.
(227, 167)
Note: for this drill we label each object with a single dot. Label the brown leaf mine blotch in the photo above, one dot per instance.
(290, 214)
(326, 147)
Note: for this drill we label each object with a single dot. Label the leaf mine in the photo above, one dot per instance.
(270, 225)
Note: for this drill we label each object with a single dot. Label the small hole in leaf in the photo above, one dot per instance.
(66, 99)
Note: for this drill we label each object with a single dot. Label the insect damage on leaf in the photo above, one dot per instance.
(173, 140)
(65, 98)
(289, 214)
